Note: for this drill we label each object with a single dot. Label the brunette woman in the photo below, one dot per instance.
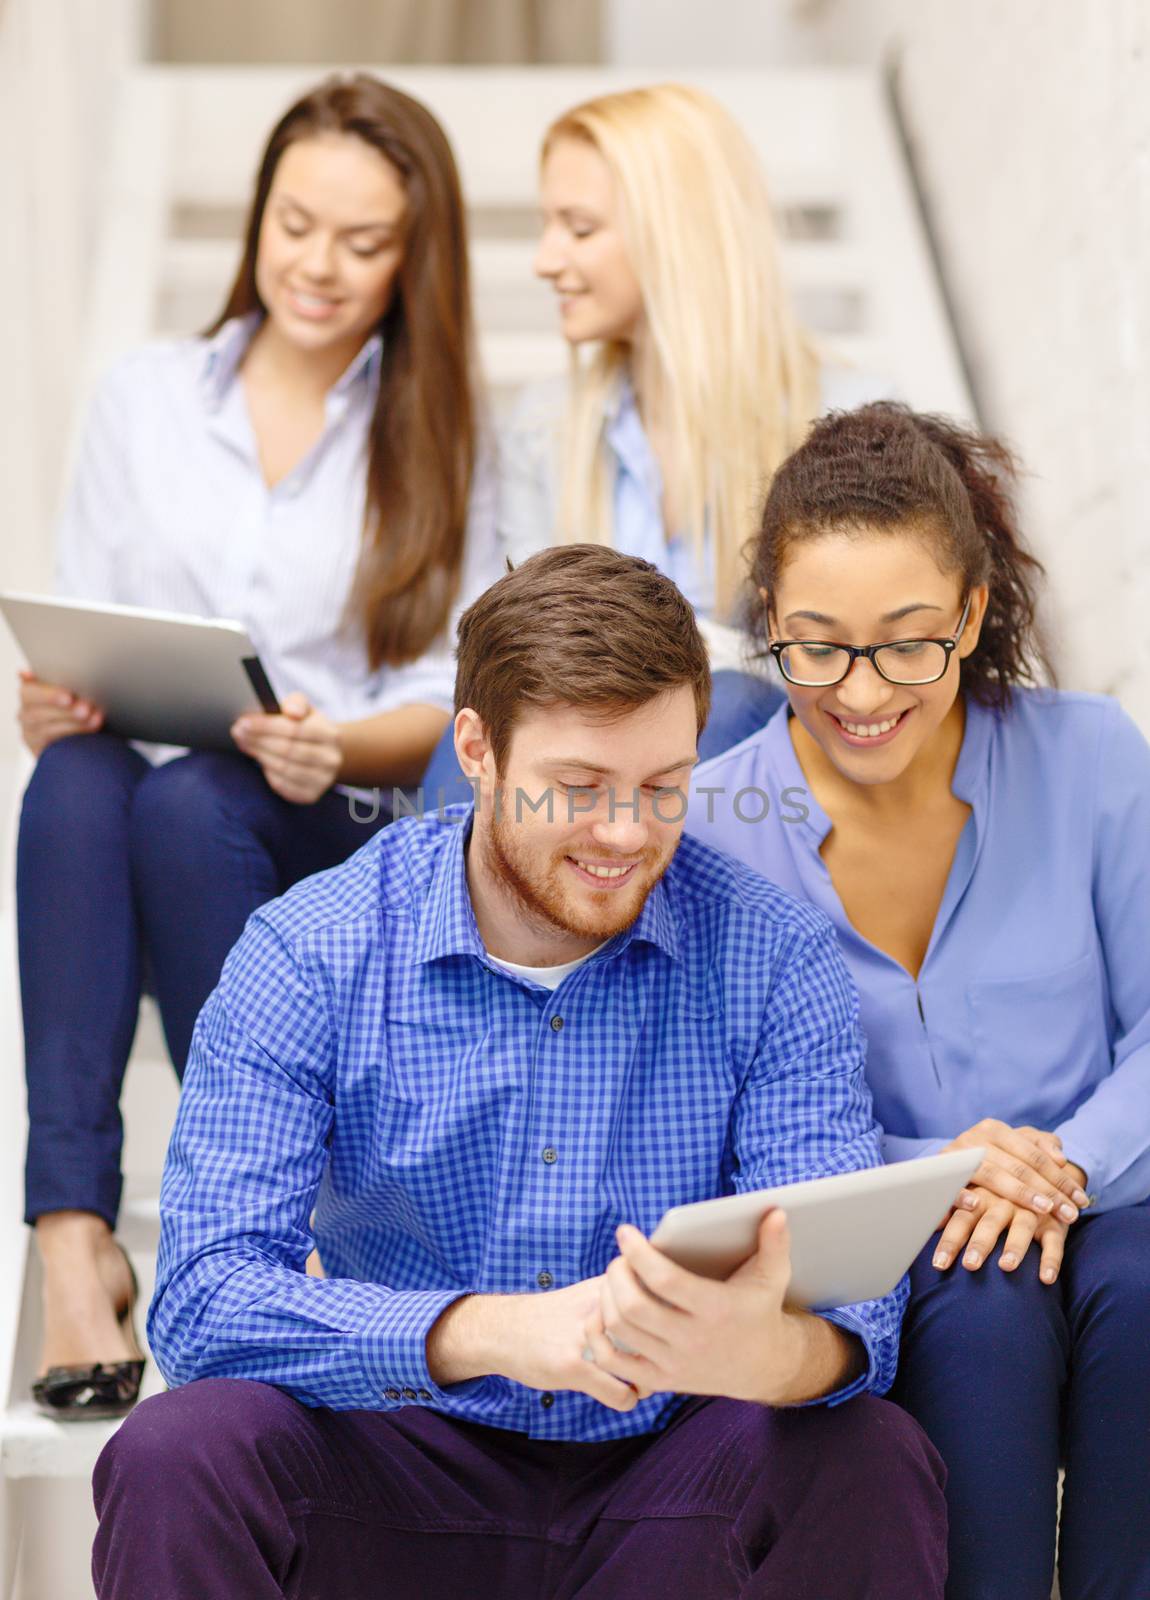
(311, 467)
(982, 846)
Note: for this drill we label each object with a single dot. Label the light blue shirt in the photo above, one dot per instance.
(447, 1127)
(531, 473)
(169, 509)
(1033, 1001)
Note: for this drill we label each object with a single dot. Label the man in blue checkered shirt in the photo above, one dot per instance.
(474, 1066)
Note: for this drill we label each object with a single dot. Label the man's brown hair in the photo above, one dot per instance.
(578, 625)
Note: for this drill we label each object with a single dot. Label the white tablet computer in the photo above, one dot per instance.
(159, 676)
(852, 1236)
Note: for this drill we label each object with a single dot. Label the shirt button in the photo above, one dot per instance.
(550, 1155)
(391, 1394)
(556, 1024)
(547, 1401)
(425, 1394)
(410, 1394)
(545, 1280)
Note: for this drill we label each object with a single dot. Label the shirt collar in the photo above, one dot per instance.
(620, 401)
(972, 768)
(223, 353)
(448, 927)
(782, 762)
(225, 350)
(656, 924)
(623, 431)
(447, 924)
(363, 368)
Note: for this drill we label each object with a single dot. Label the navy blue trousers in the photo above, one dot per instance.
(228, 1488)
(740, 703)
(1010, 1377)
(125, 870)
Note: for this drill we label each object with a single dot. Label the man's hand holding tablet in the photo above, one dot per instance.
(663, 1329)
(714, 1302)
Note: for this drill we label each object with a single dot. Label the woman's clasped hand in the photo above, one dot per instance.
(298, 749)
(1025, 1189)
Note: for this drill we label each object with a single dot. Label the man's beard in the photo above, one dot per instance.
(541, 897)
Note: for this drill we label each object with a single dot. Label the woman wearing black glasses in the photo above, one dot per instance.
(983, 849)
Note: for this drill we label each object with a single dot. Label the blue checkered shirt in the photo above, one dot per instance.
(456, 1129)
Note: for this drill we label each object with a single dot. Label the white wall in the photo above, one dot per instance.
(58, 64)
(1031, 127)
(680, 34)
(1031, 123)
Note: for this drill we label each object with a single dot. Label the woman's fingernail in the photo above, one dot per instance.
(1009, 1260)
(1048, 1274)
(1068, 1213)
(241, 728)
(972, 1258)
(969, 1201)
(1043, 1202)
(1081, 1199)
(942, 1258)
(80, 711)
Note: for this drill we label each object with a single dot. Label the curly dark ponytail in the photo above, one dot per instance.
(885, 466)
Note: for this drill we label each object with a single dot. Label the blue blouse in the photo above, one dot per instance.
(531, 473)
(1033, 1001)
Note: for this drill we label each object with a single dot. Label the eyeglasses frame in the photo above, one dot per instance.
(869, 652)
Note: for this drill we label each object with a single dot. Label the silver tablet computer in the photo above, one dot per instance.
(852, 1236)
(159, 676)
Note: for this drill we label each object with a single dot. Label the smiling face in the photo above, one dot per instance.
(582, 251)
(330, 242)
(576, 871)
(872, 588)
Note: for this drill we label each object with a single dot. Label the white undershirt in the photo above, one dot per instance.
(549, 977)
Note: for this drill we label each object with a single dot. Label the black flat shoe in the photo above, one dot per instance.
(101, 1390)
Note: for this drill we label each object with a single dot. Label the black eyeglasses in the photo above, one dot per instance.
(818, 664)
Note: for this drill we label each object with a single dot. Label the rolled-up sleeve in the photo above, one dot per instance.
(805, 1112)
(1108, 1135)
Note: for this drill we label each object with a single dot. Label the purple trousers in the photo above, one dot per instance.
(230, 1490)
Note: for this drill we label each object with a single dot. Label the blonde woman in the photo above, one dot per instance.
(691, 379)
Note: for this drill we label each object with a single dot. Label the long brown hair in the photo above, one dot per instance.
(423, 435)
(884, 466)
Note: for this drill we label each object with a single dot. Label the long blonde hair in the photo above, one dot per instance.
(730, 371)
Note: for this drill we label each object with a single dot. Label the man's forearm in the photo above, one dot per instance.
(821, 1358)
(463, 1342)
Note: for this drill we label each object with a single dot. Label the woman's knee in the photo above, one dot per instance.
(78, 780)
(195, 798)
(186, 791)
(984, 1315)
